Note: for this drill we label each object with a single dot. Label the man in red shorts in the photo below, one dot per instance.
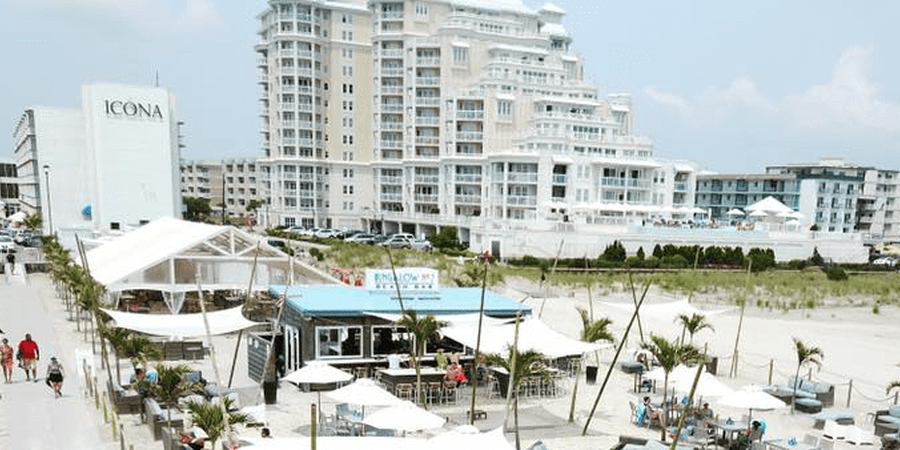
(30, 355)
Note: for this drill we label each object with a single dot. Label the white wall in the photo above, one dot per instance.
(132, 146)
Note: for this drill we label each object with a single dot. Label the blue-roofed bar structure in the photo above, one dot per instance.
(354, 326)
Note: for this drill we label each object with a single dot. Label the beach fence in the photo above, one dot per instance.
(849, 392)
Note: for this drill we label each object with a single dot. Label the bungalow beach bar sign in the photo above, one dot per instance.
(410, 279)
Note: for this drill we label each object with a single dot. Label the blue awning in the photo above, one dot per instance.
(86, 209)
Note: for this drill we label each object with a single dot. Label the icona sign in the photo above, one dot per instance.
(119, 108)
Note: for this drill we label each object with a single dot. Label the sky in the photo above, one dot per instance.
(733, 86)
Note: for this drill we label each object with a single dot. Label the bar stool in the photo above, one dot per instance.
(434, 392)
(405, 391)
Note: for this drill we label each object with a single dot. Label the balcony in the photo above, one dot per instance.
(392, 144)
(681, 187)
(428, 81)
(426, 198)
(261, 61)
(390, 180)
(392, 108)
(522, 177)
(391, 90)
(559, 179)
(391, 197)
(426, 179)
(428, 140)
(468, 135)
(288, 123)
(391, 15)
(392, 126)
(304, 54)
(305, 107)
(392, 53)
(521, 200)
(262, 78)
(305, 142)
(468, 198)
(304, 124)
(468, 178)
(428, 120)
(466, 114)
(428, 101)
(392, 72)
(612, 182)
(428, 61)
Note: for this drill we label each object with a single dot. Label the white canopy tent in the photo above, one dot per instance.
(181, 326)
(497, 337)
(769, 205)
(164, 255)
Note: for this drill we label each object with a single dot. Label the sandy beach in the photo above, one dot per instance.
(858, 345)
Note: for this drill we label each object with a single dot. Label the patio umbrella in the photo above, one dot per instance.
(364, 392)
(759, 213)
(707, 386)
(734, 212)
(318, 372)
(751, 397)
(467, 436)
(404, 416)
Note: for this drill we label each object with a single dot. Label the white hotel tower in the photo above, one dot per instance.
(413, 115)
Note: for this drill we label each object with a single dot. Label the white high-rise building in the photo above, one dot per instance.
(414, 115)
(106, 165)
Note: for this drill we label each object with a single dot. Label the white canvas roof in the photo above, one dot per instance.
(164, 255)
(533, 335)
(769, 205)
(181, 326)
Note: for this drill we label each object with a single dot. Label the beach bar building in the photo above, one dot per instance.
(354, 327)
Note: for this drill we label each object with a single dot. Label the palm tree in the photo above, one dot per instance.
(519, 365)
(805, 356)
(32, 222)
(668, 355)
(693, 324)
(172, 383)
(209, 418)
(422, 329)
(591, 331)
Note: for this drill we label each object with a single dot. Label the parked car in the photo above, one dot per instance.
(310, 232)
(296, 230)
(21, 236)
(423, 245)
(7, 244)
(378, 239)
(887, 261)
(398, 241)
(362, 238)
(33, 242)
(326, 233)
(278, 243)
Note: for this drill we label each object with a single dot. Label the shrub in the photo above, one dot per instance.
(657, 252)
(447, 238)
(640, 253)
(614, 252)
(530, 261)
(675, 261)
(796, 264)
(634, 261)
(316, 253)
(835, 273)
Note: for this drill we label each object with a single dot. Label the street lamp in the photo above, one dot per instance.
(49, 208)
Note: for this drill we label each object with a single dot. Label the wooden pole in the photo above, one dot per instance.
(478, 344)
(237, 345)
(737, 338)
(313, 426)
(849, 392)
(612, 365)
(687, 407)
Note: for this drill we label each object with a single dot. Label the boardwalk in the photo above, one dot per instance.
(30, 416)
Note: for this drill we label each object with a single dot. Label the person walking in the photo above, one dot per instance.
(6, 359)
(11, 259)
(55, 376)
(30, 355)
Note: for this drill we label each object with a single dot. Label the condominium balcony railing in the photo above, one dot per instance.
(522, 177)
(428, 81)
(426, 198)
(390, 180)
(469, 135)
(428, 61)
(428, 120)
(395, 126)
(681, 187)
(468, 178)
(391, 108)
(391, 53)
(428, 140)
(559, 179)
(466, 114)
(391, 197)
(392, 72)
(521, 200)
(428, 101)
(392, 144)
(426, 179)
(390, 15)
(391, 90)
(468, 198)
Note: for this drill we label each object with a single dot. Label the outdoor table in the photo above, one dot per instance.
(729, 430)
(393, 377)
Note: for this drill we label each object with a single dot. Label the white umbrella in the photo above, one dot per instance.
(469, 437)
(734, 212)
(404, 416)
(707, 386)
(364, 392)
(759, 213)
(751, 397)
(318, 372)
(17, 217)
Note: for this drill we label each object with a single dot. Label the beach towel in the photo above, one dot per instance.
(639, 414)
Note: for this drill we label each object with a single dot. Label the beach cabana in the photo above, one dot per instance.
(164, 255)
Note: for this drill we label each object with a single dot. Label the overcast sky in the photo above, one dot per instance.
(734, 86)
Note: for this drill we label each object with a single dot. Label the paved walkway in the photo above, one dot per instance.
(30, 416)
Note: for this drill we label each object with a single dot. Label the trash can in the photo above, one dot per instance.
(590, 372)
(712, 365)
(270, 392)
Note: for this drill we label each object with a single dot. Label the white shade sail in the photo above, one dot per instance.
(469, 437)
(180, 326)
(751, 397)
(533, 335)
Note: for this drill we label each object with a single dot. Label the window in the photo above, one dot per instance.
(346, 18)
(421, 10)
(504, 108)
(346, 35)
(347, 88)
(338, 341)
(460, 55)
(347, 71)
